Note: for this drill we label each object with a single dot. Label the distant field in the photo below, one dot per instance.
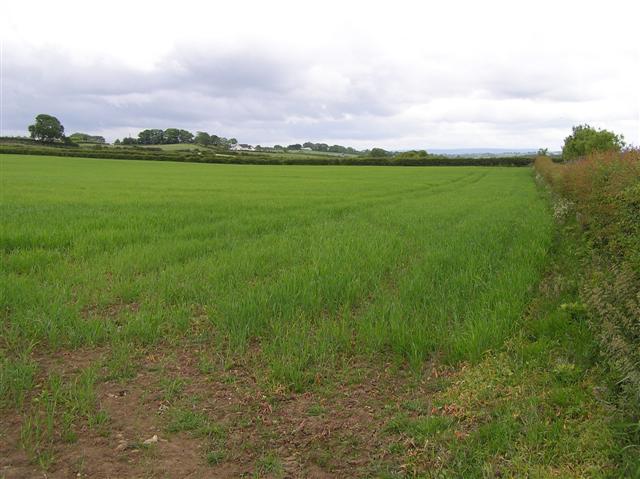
(248, 315)
(175, 147)
(172, 147)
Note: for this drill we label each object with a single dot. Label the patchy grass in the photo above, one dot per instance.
(269, 464)
(57, 411)
(195, 423)
(17, 377)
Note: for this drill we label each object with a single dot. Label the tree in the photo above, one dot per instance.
(585, 140)
(171, 136)
(203, 138)
(46, 128)
(543, 152)
(129, 141)
(185, 136)
(222, 142)
(337, 149)
(295, 146)
(117, 142)
(151, 137)
(378, 153)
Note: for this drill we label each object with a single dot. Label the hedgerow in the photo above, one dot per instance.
(604, 191)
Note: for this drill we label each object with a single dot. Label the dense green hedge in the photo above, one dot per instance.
(199, 156)
(604, 193)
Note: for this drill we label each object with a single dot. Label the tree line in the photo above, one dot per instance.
(175, 136)
(48, 129)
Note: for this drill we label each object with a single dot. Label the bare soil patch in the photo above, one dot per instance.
(335, 430)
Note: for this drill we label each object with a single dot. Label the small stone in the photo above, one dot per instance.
(151, 440)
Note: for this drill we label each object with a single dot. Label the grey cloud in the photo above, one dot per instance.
(261, 97)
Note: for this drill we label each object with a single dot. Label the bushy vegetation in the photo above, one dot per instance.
(585, 140)
(86, 138)
(413, 155)
(603, 191)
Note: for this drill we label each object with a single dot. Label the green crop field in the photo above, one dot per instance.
(313, 262)
(251, 314)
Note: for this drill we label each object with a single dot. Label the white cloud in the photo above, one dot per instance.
(398, 75)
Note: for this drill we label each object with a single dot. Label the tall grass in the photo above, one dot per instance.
(309, 264)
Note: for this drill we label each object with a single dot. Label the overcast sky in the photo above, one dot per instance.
(394, 74)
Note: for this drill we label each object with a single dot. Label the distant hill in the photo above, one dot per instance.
(482, 151)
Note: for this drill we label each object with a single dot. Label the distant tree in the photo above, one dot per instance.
(129, 141)
(308, 144)
(84, 137)
(543, 152)
(171, 136)
(278, 147)
(409, 155)
(203, 138)
(144, 137)
(321, 147)
(117, 142)
(378, 153)
(215, 140)
(157, 137)
(46, 128)
(337, 149)
(585, 140)
(185, 136)
(232, 141)
(295, 146)
(151, 137)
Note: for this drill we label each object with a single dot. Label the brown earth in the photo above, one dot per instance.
(335, 430)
